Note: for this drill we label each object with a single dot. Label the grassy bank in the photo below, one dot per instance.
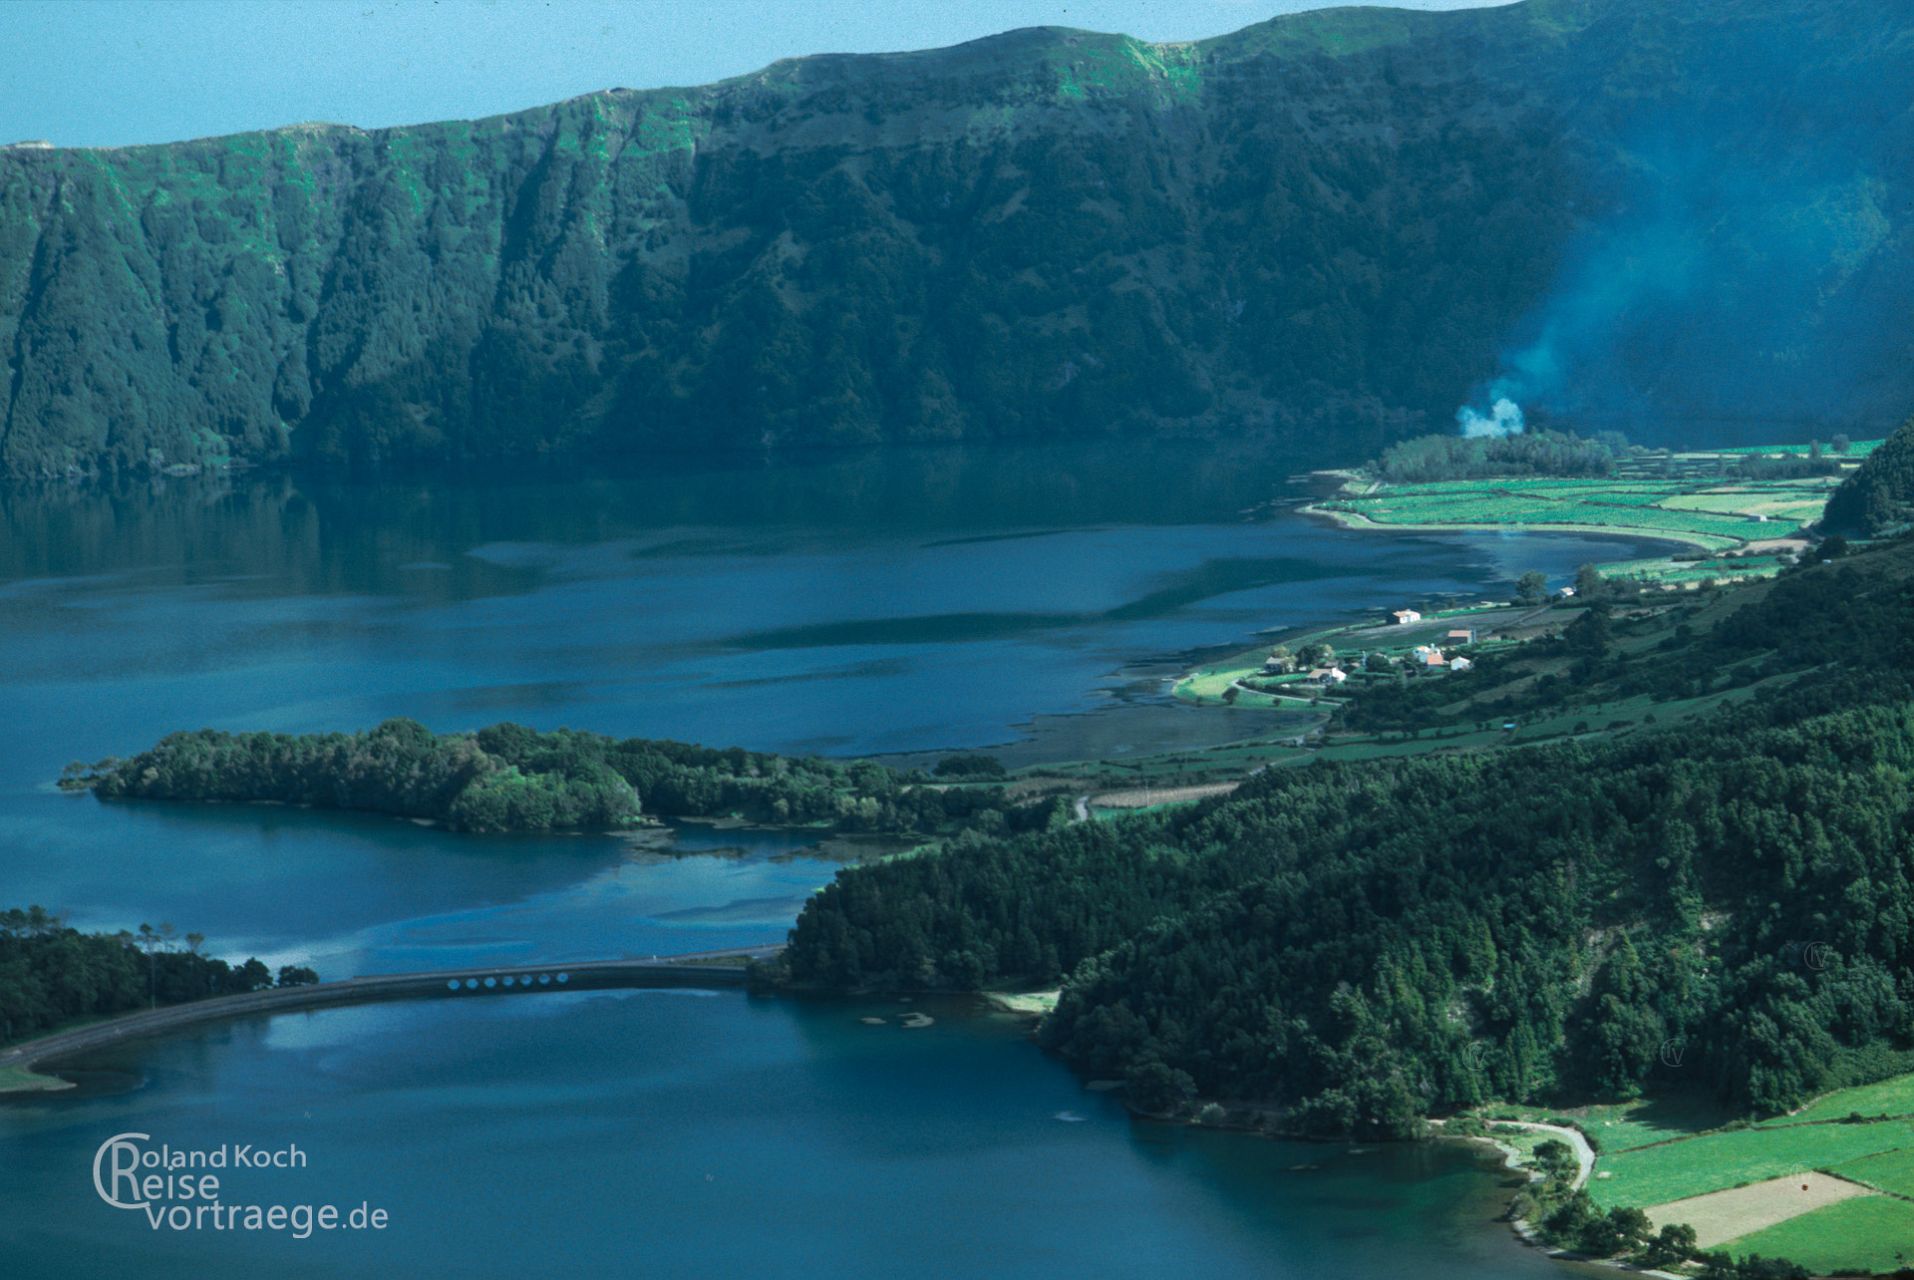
(1708, 501)
(18, 1080)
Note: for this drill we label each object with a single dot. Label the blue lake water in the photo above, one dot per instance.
(1027, 599)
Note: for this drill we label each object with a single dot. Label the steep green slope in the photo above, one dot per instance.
(1878, 498)
(1355, 945)
(1342, 220)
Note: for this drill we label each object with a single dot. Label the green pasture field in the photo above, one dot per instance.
(1870, 1233)
(1891, 1171)
(1856, 450)
(1680, 496)
(1726, 1158)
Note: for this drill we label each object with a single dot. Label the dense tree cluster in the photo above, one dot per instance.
(1878, 499)
(1364, 944)
(400, 768)
(1571, 1218)
(1785, 466)
(1325, 226)
(511, 778)
(1427, 459)
(50, 974)
(969, 766)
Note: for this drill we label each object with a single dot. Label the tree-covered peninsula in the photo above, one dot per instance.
(1353, 946)
(511, 778)
(52, 973)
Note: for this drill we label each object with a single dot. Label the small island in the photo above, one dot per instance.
(508, 778)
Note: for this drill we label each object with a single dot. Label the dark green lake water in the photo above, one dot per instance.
(1027, 597)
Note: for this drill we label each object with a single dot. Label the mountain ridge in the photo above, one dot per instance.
(1341, 222)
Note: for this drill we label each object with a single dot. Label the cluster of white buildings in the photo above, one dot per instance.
(1430, 658)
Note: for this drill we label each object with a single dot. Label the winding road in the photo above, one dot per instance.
(1584, 1154)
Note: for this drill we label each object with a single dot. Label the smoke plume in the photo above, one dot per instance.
(1504, 418)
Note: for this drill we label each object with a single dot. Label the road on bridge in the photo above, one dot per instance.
(724, 968)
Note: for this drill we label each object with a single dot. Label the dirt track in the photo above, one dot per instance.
(1143, 797)
(1720, 1216)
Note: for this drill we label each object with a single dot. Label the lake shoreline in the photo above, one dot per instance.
(511, 575)
(1256, 1122)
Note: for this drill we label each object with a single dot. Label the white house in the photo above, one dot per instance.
(1565, 593)
(1404, 617)
(1459, 663)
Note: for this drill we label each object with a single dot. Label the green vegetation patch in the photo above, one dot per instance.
(1872, 1233)
(1623, 1126)
(1893, 1097)
(1718, 500)
(20, 1080)
(510, 778)
(1730, 1158)
(53, 978)
(1889, 1171)
(1494, 504)
(1878, 499)
(1667, 571)
(1855, 449)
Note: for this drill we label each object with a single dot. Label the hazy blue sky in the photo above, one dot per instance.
(112, 72)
